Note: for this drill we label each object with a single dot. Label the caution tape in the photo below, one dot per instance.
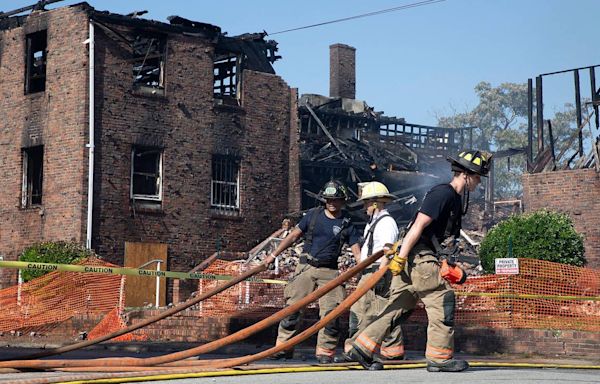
(507, 295)
(50, 267)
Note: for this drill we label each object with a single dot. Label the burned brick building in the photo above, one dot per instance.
(171, 139)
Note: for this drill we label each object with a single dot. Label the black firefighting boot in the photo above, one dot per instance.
(448, 366)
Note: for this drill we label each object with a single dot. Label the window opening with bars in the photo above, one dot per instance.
(225, 184)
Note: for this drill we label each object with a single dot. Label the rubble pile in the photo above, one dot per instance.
(363, 156)
(288, 259)
(468, 253)
(468, 258)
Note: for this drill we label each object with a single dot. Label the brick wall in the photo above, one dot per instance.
(56, 119)
(294, 186)
(575, 192)
(342, 71)
(190, 128)
(192, 326)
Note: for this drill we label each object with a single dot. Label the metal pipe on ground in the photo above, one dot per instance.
(169, 312)
(238, 336)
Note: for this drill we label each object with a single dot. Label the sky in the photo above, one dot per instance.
(416, 63)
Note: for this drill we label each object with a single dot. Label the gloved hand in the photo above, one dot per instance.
(390, 249)
(268, 261)
(397, 264)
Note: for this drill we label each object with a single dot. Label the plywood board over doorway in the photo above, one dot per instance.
(141, 290)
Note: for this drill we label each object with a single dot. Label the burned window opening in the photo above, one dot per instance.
(146, 173)
(33, 175)
(149, 63)
(225, 185)
(226, 79)
(35, 72)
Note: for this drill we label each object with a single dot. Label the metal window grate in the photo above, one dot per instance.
(225, 184)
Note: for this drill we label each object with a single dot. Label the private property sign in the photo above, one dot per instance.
(507, 266)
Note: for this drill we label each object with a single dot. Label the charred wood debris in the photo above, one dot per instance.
(347, 139)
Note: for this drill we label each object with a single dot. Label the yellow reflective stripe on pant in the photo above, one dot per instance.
(420, 280)
(368, 343)
(392, 352)
(435, 354)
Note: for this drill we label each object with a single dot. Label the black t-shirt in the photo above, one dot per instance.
(324, 246)
(444, 206)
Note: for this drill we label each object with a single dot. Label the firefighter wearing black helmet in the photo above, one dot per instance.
(325, 230)
(417, 269)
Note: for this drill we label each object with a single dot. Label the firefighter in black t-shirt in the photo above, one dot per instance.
(418, 270)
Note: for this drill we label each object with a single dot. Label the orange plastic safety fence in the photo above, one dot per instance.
(58, 296)
(258, 298)
(543, 295)
(113, 322)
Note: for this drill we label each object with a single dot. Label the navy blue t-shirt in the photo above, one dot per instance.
(444, 206)
(323, 246)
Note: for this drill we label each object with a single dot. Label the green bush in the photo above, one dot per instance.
(58, 252)
(541, 235)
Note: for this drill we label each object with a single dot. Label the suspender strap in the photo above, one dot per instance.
(311, 226)
(370, 233)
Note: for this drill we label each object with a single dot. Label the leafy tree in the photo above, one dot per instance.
(541, 235)
(59, 252)
(501, 120)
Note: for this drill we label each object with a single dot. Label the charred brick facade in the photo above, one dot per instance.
(575, 192)
(55, 119)
(183, 121)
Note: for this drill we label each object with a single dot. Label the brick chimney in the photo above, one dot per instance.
(342, 71)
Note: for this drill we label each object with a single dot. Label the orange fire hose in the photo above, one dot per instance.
(238, 336)
(228, 363)
(154, 319)
(344, 306)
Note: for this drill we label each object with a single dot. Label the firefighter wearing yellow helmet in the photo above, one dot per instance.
(381, 229)
(417, 266)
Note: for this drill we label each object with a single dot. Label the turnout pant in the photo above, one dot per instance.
(420, 280)
(306, 280)
(366, 310)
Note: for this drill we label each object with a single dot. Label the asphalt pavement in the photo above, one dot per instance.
(303, 369)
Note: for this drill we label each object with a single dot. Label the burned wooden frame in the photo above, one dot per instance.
(226, 69)
(148, 62)
(546, 158)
